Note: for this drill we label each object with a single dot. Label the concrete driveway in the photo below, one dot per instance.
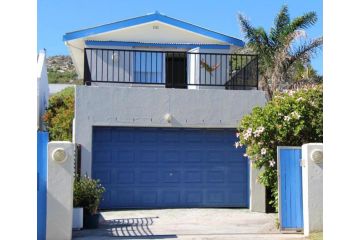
(186, 224)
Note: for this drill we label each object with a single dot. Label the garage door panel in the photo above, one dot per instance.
(217, 176)
(193, 176)
(147, 137)
(103, 174)
(170, 176)
(236, 177)
(216, 156)
(125, 176)
(215, 197)
(124, 156)
(159, 167)
(123, 136)
(169, 136)
(193, 136)
(148, 177)
(102, 136)
(194, 197)
(170, 156)
(103, 156)
(147, 156)
(148, 198)
(193, 156)
(213, 137)
(123, 198)
(236, 196)
(170, 198)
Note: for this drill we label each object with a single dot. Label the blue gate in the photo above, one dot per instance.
(169, 167)
(42, 140)
(290, 187)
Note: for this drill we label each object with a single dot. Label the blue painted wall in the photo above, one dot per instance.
(42, 140)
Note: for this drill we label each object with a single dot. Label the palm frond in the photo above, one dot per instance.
(281, 22)
(246, 28)
(305, 51)
(257, 38)
(304, 21)
(282, 19)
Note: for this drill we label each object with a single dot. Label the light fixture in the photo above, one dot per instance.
(59, 155)
(317, 156)
(168, 117)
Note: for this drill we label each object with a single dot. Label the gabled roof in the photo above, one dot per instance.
(150, 18)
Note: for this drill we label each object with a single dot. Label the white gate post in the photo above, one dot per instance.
(60, 190)
(312, 177)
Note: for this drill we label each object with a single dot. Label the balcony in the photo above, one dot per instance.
(171, 69)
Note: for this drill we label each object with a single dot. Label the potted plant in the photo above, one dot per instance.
(88, 194)
(78, 211)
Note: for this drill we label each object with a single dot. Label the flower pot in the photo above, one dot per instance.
(91, 220)
(77, 218)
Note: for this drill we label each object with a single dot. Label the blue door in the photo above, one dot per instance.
(290, 184)
(169, 168)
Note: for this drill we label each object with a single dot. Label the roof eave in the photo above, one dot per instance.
(150, 18)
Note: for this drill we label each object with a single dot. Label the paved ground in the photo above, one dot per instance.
(186, 224)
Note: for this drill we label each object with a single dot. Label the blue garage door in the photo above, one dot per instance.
(169, 168)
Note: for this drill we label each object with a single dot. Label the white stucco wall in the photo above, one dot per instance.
(257, 201)
(312, 177)
(146, 107)
(60, 193)
(42, 88)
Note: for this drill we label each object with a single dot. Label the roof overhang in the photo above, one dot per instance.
(150, 18)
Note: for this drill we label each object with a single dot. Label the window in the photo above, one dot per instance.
(148, 67)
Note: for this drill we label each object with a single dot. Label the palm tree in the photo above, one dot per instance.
(281, 48)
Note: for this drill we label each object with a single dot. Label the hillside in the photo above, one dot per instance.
(61, 69)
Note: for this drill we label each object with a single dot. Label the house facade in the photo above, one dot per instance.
(157, 115)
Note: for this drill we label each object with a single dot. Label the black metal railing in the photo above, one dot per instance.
(171, 69)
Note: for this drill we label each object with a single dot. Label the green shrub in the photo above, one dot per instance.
(87, 194)
(60, 114)
(292, 118)
(55, 76)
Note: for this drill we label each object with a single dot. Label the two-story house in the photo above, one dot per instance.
(157, 115)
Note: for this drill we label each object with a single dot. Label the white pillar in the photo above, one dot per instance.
(312, 174)
(59, 190)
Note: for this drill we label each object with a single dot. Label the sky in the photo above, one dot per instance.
(56, 17)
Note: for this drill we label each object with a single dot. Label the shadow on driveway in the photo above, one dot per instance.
(126, 228)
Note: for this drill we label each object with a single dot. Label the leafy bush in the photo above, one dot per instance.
(55, 76)
(292, 118)
(87, 194)
(59, 115)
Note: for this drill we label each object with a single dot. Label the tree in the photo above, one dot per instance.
(291, 118)
(303, 75)
(281, 48)
(60, 114)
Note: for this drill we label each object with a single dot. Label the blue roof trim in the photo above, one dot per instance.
(149, 18)
(165, 45)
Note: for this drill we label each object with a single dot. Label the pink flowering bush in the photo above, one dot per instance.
(291, 118)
